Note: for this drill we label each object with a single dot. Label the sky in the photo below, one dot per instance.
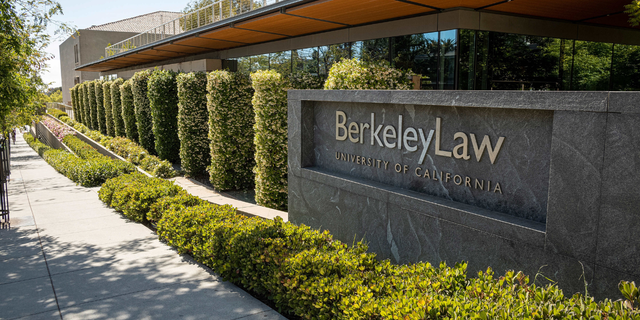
(85, 13)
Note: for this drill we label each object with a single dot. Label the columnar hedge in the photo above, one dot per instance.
(74, 100)
(116, 108)
(270, 106)
(143, 110)
(102, 121)
(108, 108)
(128, 111)
(95, 122)
(86, 106)
(231, 121)
(163, 101)
(193, 130)
(353, 74)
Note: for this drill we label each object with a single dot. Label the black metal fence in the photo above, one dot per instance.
(5, 164)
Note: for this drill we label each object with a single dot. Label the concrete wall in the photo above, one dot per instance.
(573, 155)
(91, 45)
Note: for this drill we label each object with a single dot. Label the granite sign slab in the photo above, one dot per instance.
(530, 181)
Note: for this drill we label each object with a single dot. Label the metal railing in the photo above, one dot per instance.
(5, 166)
(217, 11)
(61, 106)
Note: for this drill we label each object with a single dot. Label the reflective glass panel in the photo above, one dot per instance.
(332, 54)
(305, 60)
(447, 63)
(626, 68)
(371, 50)
(280, 62)
(467, 52)
(260, 62)
(418, 52)
(591, 65)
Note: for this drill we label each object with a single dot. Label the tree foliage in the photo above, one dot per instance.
(633, 9)
(23, 37)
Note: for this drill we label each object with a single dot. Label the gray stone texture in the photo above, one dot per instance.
(575, 155)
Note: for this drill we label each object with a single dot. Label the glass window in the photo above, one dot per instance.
(447, 60)
(591, 65)
(305, 60)
(625, 66)
(418, 52)
(371, 50)
(260, 62)
(280, 62)
(244, 64)
(332, 54)
(467, 52)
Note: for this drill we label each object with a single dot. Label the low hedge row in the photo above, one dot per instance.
(90, 172)
(127, 149)
(231, 120)
(116, 105)
(307, 273)
(57, 113)
(162, 92)
(193, 127)
(128, 111)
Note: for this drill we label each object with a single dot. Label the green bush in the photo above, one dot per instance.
(93, 106)
(143, 110)
(178, 202)
(137, 155)
(136, 197)
(128, 111)
(116, 105)
(39, 147)
(270, 106)
(308, 274)
(77, 113)
(57, 113)
(102, 121)
(231, 121)
(353, 74)
(193, 130)
(108, 108)
(86, 106)
(80, 148)
(90, 172)
(162, 91)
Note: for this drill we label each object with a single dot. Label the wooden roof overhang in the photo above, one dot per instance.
(291, 18)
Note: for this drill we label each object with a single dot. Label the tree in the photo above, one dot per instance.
(633, 9)
(23, 37)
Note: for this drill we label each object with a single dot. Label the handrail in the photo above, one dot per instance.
(215, 12)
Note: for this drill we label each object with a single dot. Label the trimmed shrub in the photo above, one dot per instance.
(353, 74)
(178, 202)
(136, 197)
(193, 128)
(74, 102)
(39, 147)
(116, 111)
(80, 148)
(231, 121)
(57, 113)
(93, 106)
(128, 111)
(137, 155)
(108, 108)
(162, 91)
(270, 106)
(112, 185)
(86, 106)
(102, 121)
(58, 130)
(143, 110)
(90, 172)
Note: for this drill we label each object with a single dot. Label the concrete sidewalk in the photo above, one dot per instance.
(68, 256)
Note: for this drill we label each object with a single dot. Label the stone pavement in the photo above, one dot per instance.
(68, 256)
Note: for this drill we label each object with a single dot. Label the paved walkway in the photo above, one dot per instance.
(68, 256)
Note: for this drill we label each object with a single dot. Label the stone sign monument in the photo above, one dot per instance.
(510, 180)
